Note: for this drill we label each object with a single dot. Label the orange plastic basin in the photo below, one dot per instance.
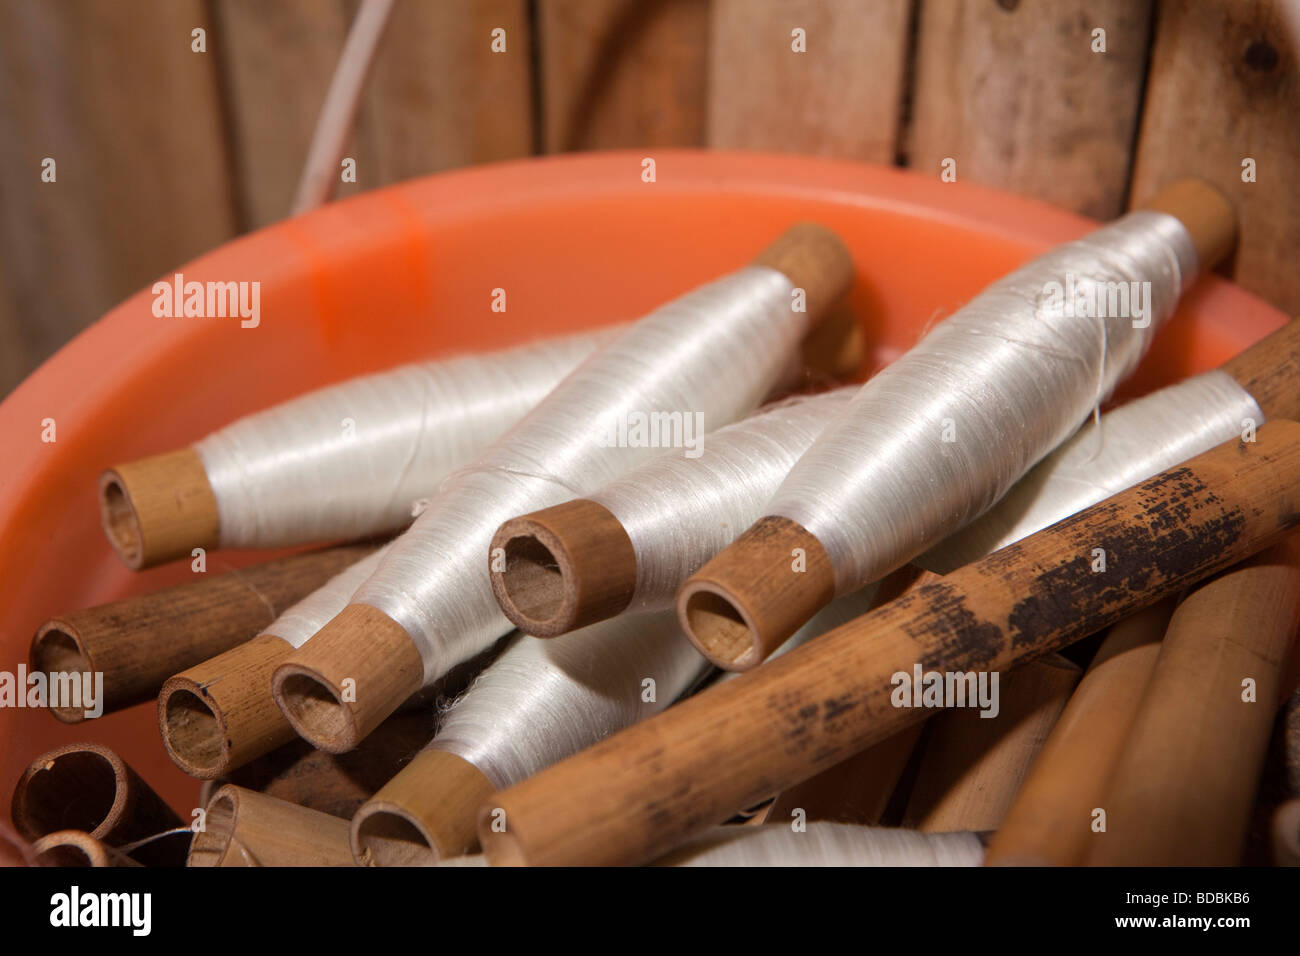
(408, 272)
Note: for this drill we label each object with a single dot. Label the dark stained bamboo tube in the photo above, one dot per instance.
(137, 643)
(1182, 789)
(88, 787)
(638, 793)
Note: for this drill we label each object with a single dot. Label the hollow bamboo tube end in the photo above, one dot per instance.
(57, 648)
(246, 828)
(423, 815)
(564, 567)
(1205, 212)
(74, 787)
(814, 259)
(75, 848)
(751, 597)
(219, 715)
(341, 684)
(158, 509)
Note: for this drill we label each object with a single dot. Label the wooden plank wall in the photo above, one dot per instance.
(163, 152)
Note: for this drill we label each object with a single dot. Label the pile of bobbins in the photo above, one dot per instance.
(673, 693)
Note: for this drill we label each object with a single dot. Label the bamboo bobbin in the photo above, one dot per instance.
(88, 787)
(219, 715)
(973, 765)
(751, 597)
(566, 567)
(1183, 786)
(245, 828)
(634, 795)
(1050, 821)
(858, 790)
(364, 645)
(423, 815)
(1270, 371)
(74, 848)
(159, 509)
(139, 642)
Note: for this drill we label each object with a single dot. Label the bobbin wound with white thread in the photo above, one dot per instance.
(629, 545)
(341, 462)
(714, 354)
(1016, 369)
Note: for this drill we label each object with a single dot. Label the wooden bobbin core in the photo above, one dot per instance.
(158, 509)
(1205, 212)
(814, 259)
(219, 715)
(423, 815)
(364, 645)
(751, 597)
(565, 567)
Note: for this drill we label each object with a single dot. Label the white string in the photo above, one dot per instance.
(941, 434)
(826, 844)
(544, 700)
(711, 355)
(1128, 445)
(679, 512)
(304, 619)
(350, 460)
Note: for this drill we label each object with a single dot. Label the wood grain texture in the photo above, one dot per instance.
(276, 62)
(974, 765)
(1183, 786)
(638, 793)
(842, 96)
(1014, 93)
(1223, 86)
(1051, 819)
(437, 98)
(622, 73)
(132, 118)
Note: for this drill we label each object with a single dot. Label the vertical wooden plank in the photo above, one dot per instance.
(131, 118)
(622, 73)
(276, 60)
(840, 97)
(1013, 91)
(439, 97)
(1225, 87)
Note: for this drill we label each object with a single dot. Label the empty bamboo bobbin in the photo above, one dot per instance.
(75, 848)
(245, 828)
